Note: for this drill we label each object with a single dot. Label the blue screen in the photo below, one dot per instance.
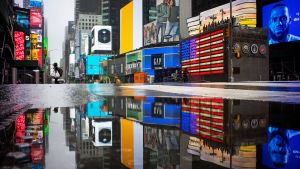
(36, 3)
(94, 109)
(282, 21)
(282, 149)
(93, 65)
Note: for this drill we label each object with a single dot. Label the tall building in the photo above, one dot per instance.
(69, 45)
(87, 6)
(111, 16)
(87, 21)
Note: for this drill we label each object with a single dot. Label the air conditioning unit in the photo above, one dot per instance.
(101, 38)
(102, 133)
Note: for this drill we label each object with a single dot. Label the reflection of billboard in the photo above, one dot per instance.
(282, 150)
(134, 109)
(98, 109)
(36, 3)
(243, 10)
(102, 133)
(164, 144)
(242, 157)
(36, 18)
(131, 144)
(283, 21)
(101, 38)
(166, 26)
(22, 17)
(20, 45)
(131, 29)
(133, 62)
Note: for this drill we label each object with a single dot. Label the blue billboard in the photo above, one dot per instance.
(282, 149)
(283, 21)
(94, 65)
(98, 109)
(36, 3)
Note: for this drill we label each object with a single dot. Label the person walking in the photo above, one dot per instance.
(55, 74)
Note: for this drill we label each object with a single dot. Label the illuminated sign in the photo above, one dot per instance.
(20, 45)
(101, 38)
(133, 62)
(165, 27)
(286, 14)
(36, 18)
(244, 11)
(204, 55)
(157, 61)
(36, 3)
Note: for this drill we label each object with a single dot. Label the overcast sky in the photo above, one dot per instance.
(57, 13)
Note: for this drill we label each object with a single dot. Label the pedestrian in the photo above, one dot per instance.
(55, 74)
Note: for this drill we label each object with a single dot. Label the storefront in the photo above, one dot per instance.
(160, 62)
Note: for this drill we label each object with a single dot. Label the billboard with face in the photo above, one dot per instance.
(20, 45)
(165, 28)
(283, 21)
(36, 18)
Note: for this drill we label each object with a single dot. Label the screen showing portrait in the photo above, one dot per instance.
(282, 20)
(282, 149)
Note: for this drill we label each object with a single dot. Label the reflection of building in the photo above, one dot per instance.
(217, 120)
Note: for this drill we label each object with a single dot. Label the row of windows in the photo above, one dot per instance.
(86, 24)
(90, 20)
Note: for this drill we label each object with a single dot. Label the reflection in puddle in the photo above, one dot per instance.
(151, 132)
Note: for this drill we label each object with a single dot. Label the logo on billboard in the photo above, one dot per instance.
(254, 48)
(157, 61)
(246, 48)
(262, 49)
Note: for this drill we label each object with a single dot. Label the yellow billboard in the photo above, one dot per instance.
(126, 28)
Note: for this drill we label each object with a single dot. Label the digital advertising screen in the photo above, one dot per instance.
(102, 38)
(22, 17)
(282, 149)
(131, 26)
(165, 27)
(283, 21)
(204, 54)
(98, 109)
(134, 62)
(102, 133)
(36, 3)
(19, 45)
(94, 64)
(36, 18)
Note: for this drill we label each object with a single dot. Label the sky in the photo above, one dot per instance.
(57, 13)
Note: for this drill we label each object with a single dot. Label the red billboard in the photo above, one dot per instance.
(20, 45)
(36, 18)
(204, 55)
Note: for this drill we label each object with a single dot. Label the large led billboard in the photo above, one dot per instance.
(36, 3)
(244, 11)
(93, 65)
(204, 55)
(20, 45)
(101, 38)
(165, 28)
(282, 149)
(102, 133)
(134, 62)
(36, 18)
(283, 21)
(131, 26)
(22, 17)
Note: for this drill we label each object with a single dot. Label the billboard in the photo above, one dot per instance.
(38, 32)
(282, 149)
(283, 21)
(22, 18)
(102, 133)
(93, 65)
(165, 28)
(36, 3)
(36, 18)
(98, 109)
(243, 10)
(134, 62)
(205, 54)
(101, 38)
(19, 3)
(20, 45)
(131, 26)
(132, 151)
